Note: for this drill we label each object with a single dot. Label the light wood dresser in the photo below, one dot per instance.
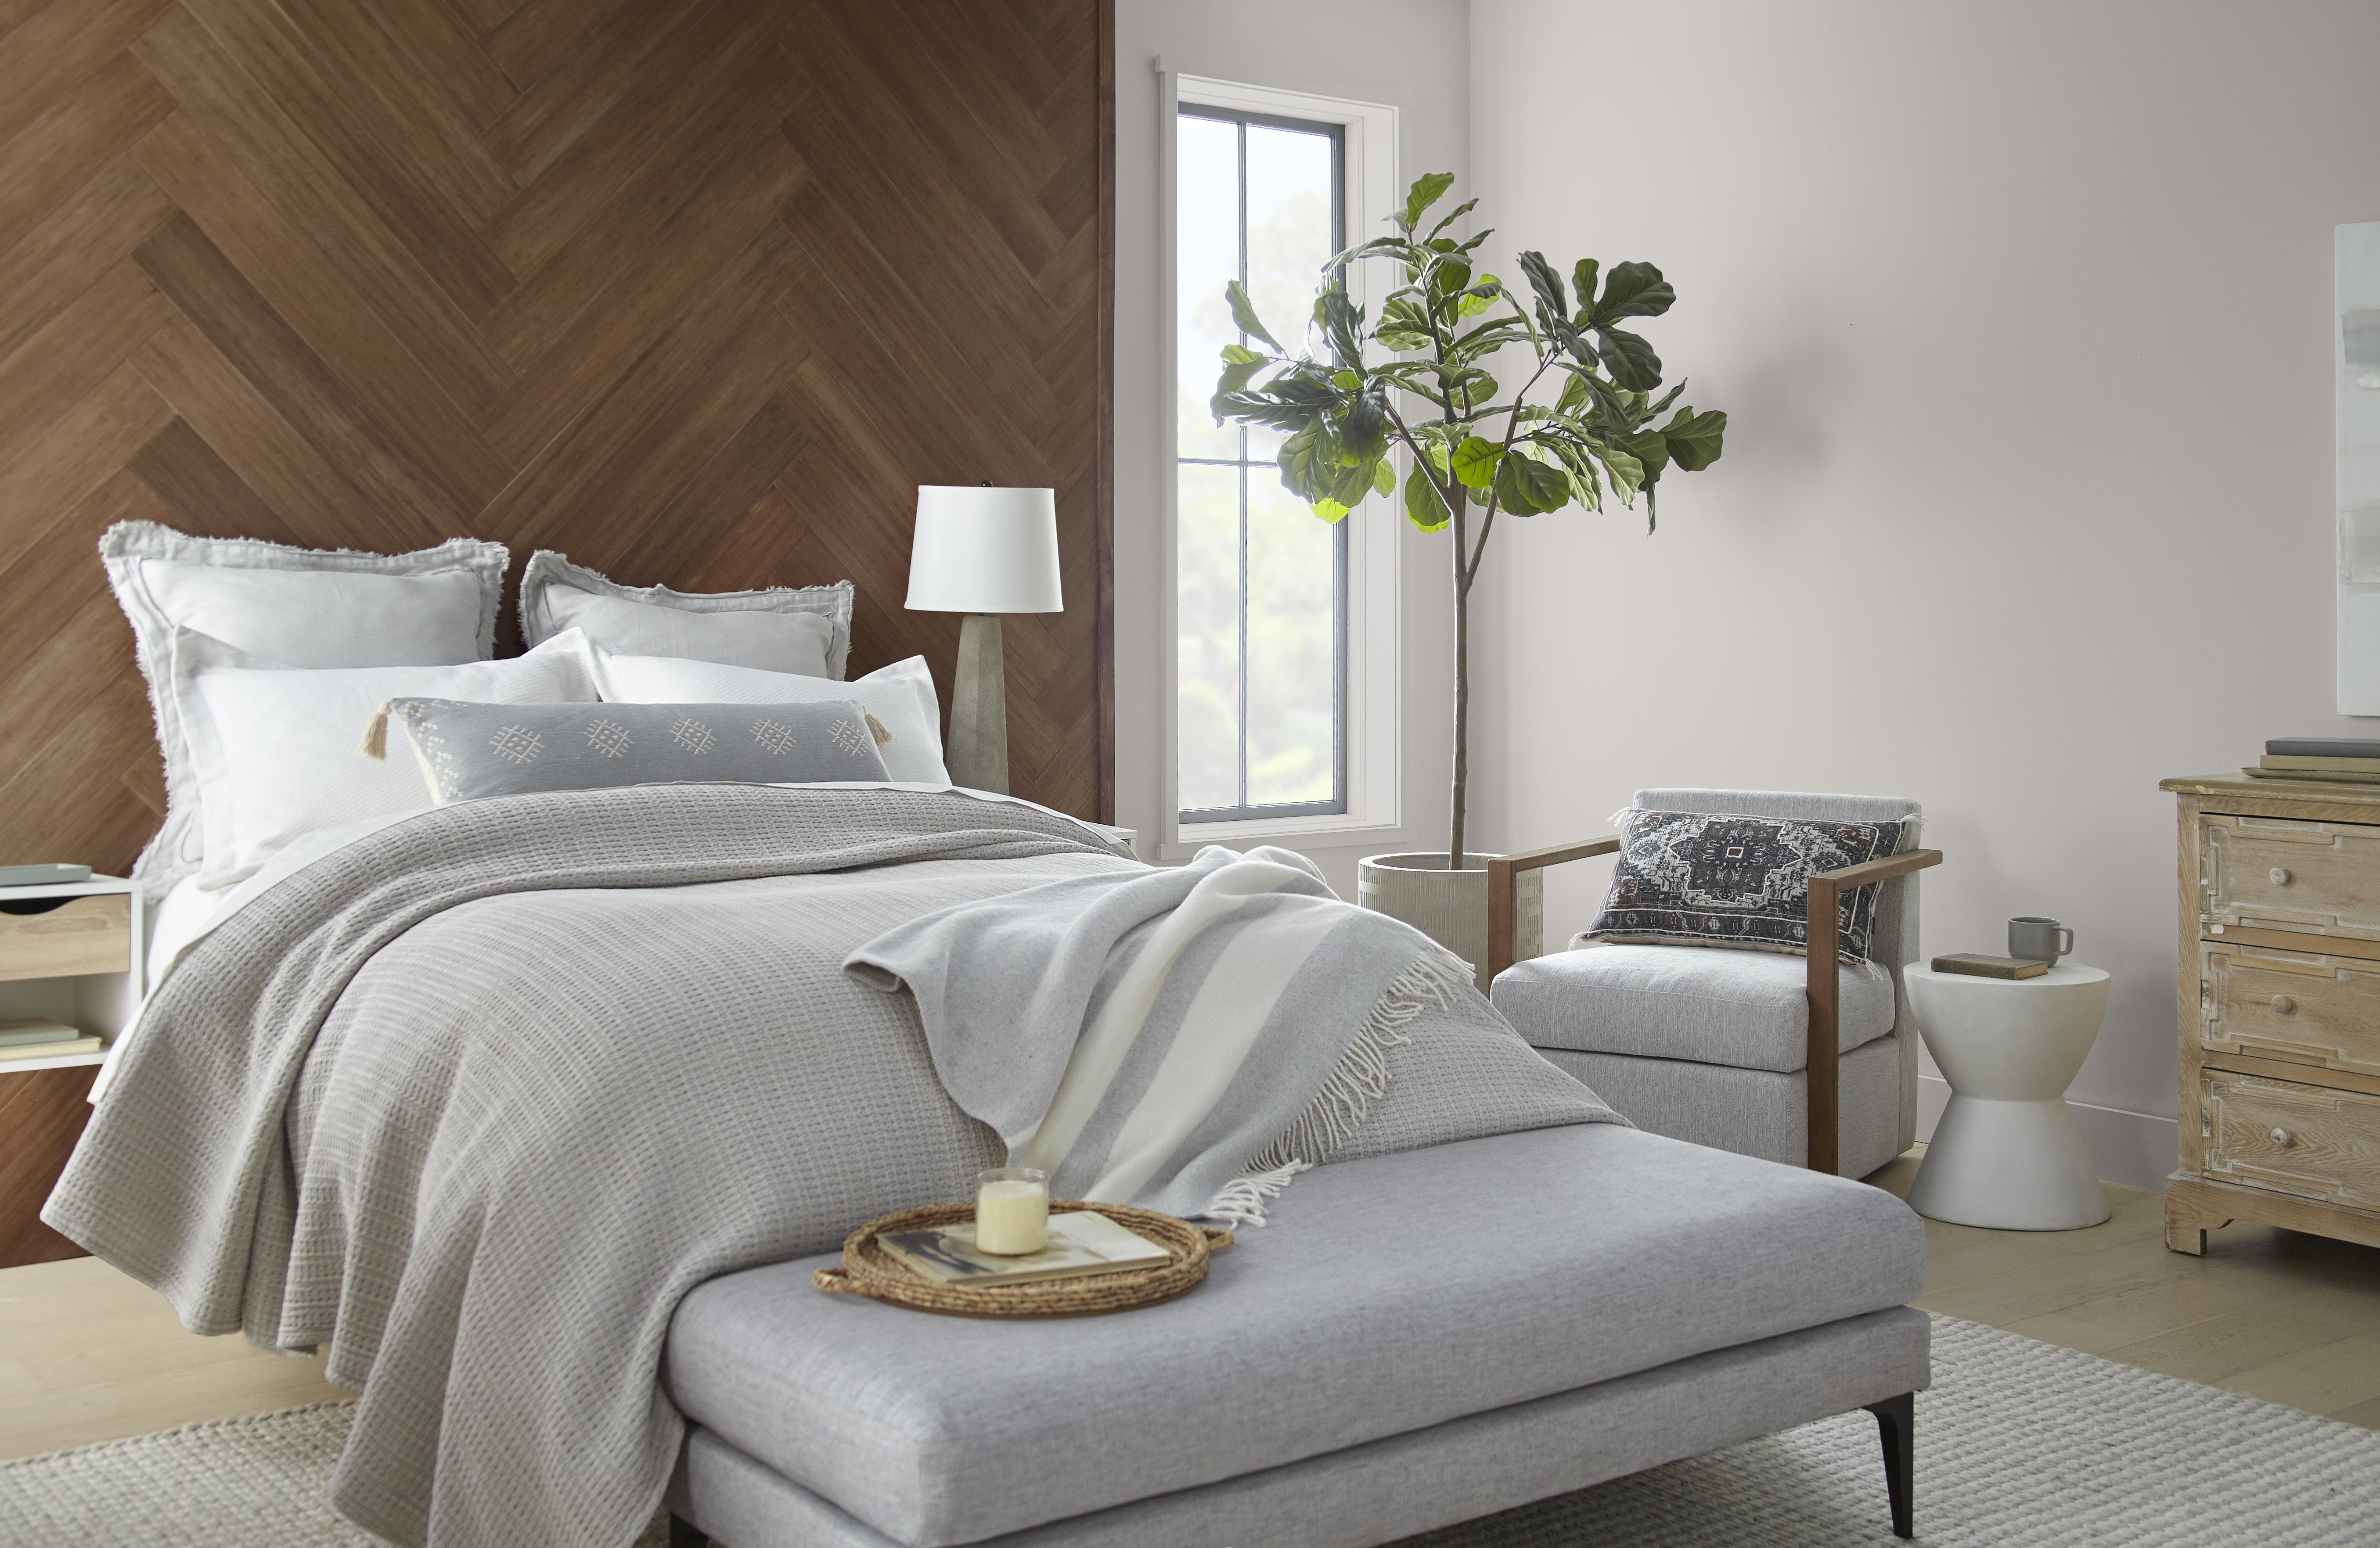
(2280, 1008)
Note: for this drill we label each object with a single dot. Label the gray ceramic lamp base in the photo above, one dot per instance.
(978, 752)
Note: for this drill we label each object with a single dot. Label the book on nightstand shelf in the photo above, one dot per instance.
(36, 1028)
(1974, 965)
(1081, 1241)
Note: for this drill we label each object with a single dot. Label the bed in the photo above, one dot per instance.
(469, 1093)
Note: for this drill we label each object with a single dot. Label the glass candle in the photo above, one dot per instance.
(1012, 1211)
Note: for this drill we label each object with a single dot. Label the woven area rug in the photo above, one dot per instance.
(2019, 1441)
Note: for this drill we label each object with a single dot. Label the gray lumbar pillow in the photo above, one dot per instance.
(469, 751)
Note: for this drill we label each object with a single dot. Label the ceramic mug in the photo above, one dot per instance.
(2037, 939)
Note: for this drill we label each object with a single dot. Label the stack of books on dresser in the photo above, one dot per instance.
(2349, 760)
(41, 1038)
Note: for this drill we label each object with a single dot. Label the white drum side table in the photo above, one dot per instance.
(2007, 1153)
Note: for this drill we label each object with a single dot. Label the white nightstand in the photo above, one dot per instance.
(70, 953)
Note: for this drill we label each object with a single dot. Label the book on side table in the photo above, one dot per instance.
(41, 1038)
(1974, 965)
(1081, 1241)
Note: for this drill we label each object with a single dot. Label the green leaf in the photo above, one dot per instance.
(1234, 380)
(1630, 359)
(1695, 438)
(1627, 473)
(1330, 509)
(1587, 487)
(1582, 279)
(1545, 282)
(1246, 315)
(1309, 462)
(1475, 460)
(1404, 325)
(1525, 485)
(1651, 450)
(1480, 296)
(1240, 355)
(1423, 506)
(1384, 478)
(1633, 290)
(1394, 247)
(1668, 398)
(1363, 434)
(1460, 211)
(1424, 193)
(1599, 393)
(1342, 322)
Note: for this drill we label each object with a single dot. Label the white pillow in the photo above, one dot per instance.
(789, 642)
(901, 696)
(325, 618)
(299, 606)
(274, 749)
(554, 591)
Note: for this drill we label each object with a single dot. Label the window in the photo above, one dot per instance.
(1282, 634)
(1261, 615)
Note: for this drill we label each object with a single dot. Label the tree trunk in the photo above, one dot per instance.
(1461, 687)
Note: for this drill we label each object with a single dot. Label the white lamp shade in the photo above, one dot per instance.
(984, 550)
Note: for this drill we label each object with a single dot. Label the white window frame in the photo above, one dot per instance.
(1372, 638)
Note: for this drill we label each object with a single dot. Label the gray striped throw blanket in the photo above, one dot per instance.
(1187, 1040)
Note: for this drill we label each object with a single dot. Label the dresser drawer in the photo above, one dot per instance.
(2267, 873)
(2300, 1006)
(2295, 1139)
(83, 934)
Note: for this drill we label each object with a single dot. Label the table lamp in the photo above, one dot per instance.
(982, 551)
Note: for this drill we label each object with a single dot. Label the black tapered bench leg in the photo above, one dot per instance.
(684, 1534)
(1896, 1425)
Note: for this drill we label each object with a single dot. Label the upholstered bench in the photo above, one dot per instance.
(1415, 1339)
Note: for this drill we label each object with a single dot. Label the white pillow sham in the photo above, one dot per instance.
(789, 642)
(297, 607)
(901, 696)
(552, 594)
(275, 748)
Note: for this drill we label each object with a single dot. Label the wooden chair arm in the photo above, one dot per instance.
(1823, 1053)
(1504, 891)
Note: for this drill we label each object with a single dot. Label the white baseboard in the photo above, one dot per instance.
(2135, 1148)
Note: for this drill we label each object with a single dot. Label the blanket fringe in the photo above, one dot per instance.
(1361, 1079)
(1242, 1202)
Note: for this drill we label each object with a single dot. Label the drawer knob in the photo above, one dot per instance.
(2284, 1004)
(2283, 1138)
(2280, 876)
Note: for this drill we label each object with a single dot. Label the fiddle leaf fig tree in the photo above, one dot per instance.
(1475, 453)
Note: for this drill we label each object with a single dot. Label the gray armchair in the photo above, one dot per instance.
(1786, 1057)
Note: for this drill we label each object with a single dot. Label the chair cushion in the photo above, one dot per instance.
(1710, 1005)
(1385, 1295)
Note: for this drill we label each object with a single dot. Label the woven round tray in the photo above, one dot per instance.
(871, 1271)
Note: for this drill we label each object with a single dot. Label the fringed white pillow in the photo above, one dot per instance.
(312, 608)
(801, 631)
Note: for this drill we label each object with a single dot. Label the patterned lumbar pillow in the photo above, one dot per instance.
(469, 751)
(1697, 879)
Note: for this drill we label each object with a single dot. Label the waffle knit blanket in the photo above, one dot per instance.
(473, 1101)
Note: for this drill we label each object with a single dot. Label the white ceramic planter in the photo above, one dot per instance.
(1451, 907)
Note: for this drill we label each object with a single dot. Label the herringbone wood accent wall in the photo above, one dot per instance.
(695, 291)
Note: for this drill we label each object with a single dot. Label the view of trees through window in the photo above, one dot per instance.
(1262, 582)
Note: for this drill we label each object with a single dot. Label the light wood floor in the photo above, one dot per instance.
(88, 1355)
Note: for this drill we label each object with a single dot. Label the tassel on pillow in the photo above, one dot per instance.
(375, 743)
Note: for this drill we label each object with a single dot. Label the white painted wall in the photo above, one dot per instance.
(1410, 53)
(2021, 313)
